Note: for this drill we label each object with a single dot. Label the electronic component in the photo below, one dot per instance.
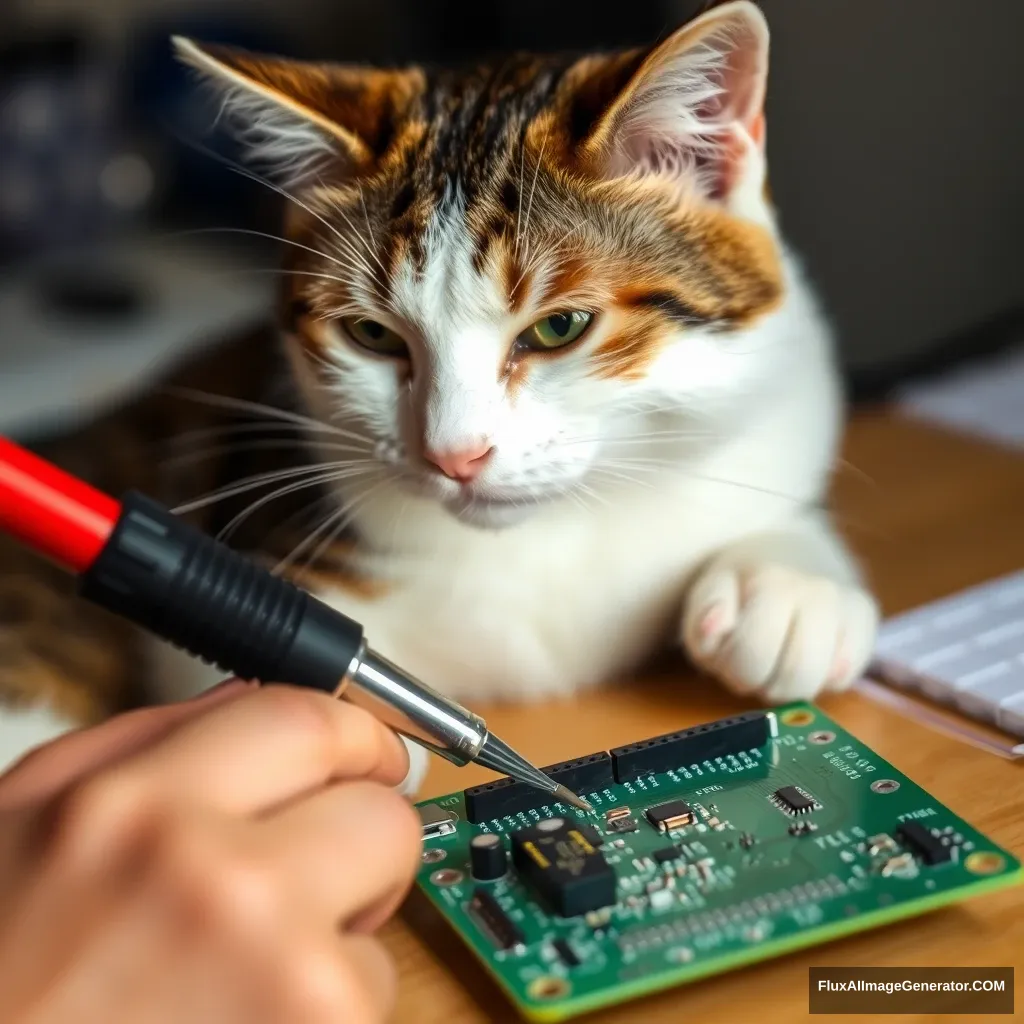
(661, 899)
(794, 800)
(502, 931)
(692, 746)
(555, 860)
(902, 864)
(670, 816)
(487, 858)
(436, 821)
(802, 828)
(881, 844)
(928, 847)
(507, 796)
(651, 909)
(565, 952)
(666, 854)
(620, 819)
(623, 824)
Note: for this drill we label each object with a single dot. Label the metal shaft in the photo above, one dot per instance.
(436, 722)
(412, 708)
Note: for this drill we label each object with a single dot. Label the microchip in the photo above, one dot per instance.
(665, 854)
(669, 816)
(494, 922)
(591, 835)
(928, 847)
(565, 953)
(555, 859)
(435, 821)
(624, 824)
(794, 800)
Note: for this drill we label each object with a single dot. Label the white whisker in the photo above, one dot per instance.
(186, 458)
(258, 234)
(335, 523)
(244, 405)
(330, 477)
(257, 480)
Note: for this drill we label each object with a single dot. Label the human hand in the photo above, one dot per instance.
(221, 861)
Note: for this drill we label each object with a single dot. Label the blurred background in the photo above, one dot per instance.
(895, 138)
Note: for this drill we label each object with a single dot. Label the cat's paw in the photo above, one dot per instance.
(777, 633)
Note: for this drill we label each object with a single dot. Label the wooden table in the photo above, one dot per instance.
(928, 512)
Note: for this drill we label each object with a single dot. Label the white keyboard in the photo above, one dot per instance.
(966, 650)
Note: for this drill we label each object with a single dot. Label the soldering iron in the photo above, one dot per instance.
(136, 559)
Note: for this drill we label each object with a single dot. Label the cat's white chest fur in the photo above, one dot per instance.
(582, 591)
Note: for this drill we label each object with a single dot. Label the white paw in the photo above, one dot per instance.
(777, 632)
(418, 760)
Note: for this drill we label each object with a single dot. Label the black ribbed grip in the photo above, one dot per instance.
(197, 593)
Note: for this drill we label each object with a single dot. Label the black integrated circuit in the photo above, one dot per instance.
(794, 800)
(692, 746)
(568, 874)
(507, 796)
(671, 815)
(666, 854)
(493, 921)
(928, 847)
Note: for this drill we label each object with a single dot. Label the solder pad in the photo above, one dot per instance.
(743, 888)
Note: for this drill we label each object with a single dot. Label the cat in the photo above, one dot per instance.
(568, 391)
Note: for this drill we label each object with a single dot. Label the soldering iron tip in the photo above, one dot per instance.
(567, 796)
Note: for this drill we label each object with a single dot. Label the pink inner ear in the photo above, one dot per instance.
(740, 80)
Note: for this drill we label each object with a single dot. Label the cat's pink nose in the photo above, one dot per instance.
(464, 464)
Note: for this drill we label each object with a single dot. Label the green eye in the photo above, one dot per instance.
(375, 337)
(556, 331)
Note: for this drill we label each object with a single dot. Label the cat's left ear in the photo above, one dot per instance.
(694, 108)
(298, 118)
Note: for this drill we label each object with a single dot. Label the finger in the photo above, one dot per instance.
(46, 771)
(269, 747)
(346, 850)
(376, 979)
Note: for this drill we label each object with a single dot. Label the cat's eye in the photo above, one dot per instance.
(556, 331)
(375, 337)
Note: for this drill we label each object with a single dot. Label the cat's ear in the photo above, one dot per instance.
(296, 118)
(693, 108)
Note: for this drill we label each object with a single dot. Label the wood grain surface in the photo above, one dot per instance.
(928, 513)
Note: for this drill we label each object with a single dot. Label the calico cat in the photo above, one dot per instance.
(566, 395)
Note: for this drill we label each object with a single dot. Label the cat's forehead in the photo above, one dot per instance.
(473, 121)
(478, 206)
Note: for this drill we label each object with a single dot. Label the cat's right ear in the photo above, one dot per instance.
(298, 120)
(690, 109)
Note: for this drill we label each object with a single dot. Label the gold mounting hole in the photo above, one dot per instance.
(798, 716)
(983, 862)
(549, 987)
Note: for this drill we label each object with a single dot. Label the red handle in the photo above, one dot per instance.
(51, 511)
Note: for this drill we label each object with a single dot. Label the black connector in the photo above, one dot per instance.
(506, 796)
(691, 746)
(189, 589)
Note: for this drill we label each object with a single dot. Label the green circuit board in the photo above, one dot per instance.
(696, 869)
